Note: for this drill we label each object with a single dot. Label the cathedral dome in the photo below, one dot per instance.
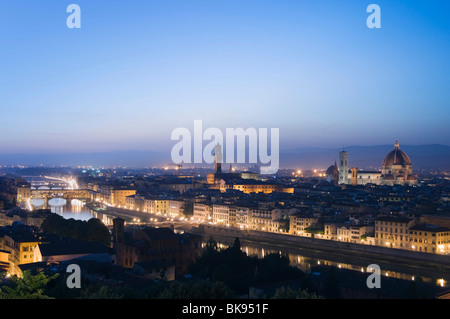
(330, 170)
(396, 157)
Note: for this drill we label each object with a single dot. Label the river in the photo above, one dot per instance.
(75, 209)
(306, 260)
(301, 258)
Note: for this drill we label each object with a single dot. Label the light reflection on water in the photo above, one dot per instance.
(77, 210)
(306, 263)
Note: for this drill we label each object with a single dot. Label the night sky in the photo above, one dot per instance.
(136, 70)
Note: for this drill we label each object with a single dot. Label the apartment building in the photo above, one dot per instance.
(300, 221)
(393, 231)
(202, 212)
(430, 239)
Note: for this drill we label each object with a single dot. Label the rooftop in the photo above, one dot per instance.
(430, 228)
(72, 247)
(394, 219)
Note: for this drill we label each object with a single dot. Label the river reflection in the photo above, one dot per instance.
(307, 262)
(77, 210)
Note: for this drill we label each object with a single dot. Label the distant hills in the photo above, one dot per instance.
(365, 157)
(108, 159)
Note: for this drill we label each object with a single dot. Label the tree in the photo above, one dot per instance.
(196, 290)
(275, 268)
(188, 210)
(289, 293)
(238, 271)
(96, 231)
(211, 245)
(237, 244)
(101, 292)
(93, 230)
(28, 287)
(331, 285)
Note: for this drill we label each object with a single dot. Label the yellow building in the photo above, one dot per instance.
(175, 208)
(344, 233)
(119, 196)
(243, 216)
(23, 193)
(393, 231)
(131, 202)
(161, 206)
(300, 221)
(246, 182)
(203, 212)
(149, 205)
(21, 248)
(4, 261)
(330, 231)
(430, 239)
(264, 219)
(221, 215)
(261, 187)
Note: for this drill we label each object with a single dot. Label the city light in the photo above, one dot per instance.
(313, 150)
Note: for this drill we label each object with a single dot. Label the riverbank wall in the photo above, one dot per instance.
(441, 262)
(126, 214)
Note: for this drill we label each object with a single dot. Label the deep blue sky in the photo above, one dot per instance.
(137, 69)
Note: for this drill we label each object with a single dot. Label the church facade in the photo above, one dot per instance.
(396, 169)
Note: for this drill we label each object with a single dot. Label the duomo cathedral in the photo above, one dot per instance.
(396, 169)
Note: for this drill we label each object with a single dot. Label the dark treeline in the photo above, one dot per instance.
(93, 230)
(239, 272)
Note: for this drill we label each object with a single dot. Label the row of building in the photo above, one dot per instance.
(425, 234)
(320, 209)
(262, 216)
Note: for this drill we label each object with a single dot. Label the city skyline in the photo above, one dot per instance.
(134, 72)
(239, 150)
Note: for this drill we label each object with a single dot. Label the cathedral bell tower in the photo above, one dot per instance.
(218, 157)
(343, 167)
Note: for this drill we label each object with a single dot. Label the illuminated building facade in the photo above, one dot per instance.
(343, 167)
(119, 196)
(396, 169)
(301, 221)
(430, 239)
(20, 241)
(393, 231)
(221, 215)
(202, 211)
(23, 193)
(247, 182)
